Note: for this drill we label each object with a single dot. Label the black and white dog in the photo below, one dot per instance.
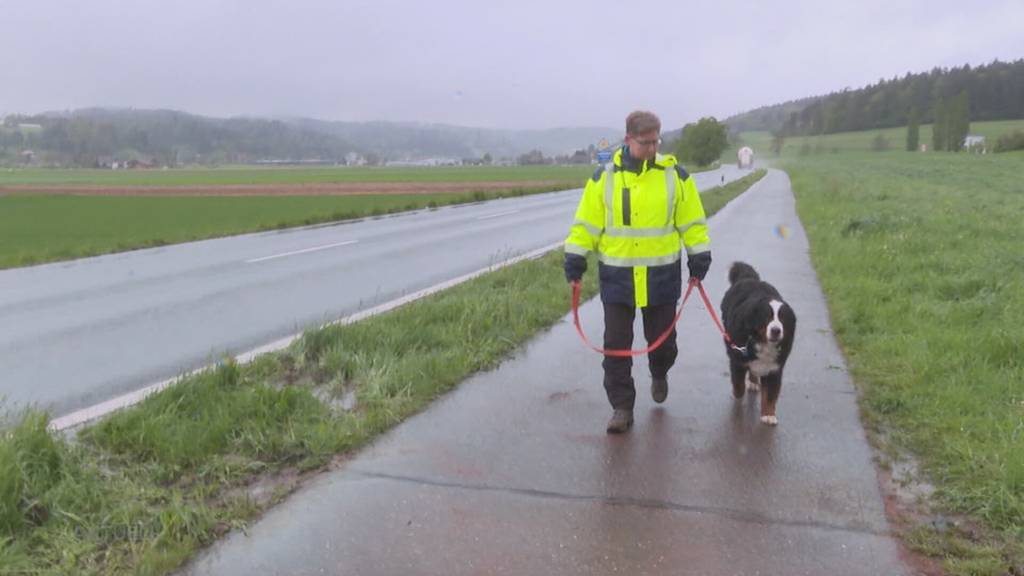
(759, 320)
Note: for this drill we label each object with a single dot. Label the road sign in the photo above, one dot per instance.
(604, 156)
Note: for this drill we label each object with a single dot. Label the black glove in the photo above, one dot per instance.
(575, 265)
(699, 264)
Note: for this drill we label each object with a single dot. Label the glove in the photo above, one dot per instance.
(575, 265)
(699, 264)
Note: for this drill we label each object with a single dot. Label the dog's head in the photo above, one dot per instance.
(770, 321)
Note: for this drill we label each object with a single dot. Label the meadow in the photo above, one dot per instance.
(860, 141)
(39, 228)
(920, 258)
(254, 175)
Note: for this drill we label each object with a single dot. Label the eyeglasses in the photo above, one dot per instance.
(652, 142)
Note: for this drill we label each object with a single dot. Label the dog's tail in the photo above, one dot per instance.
(742, 271)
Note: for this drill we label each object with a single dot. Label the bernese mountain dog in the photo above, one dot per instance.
(762, 326)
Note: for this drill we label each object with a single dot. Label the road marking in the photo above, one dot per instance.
(497, 214)
(91, 413)
(303, 251)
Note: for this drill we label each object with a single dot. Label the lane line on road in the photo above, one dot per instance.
(97, 411)
(303, 251)
(497, 215)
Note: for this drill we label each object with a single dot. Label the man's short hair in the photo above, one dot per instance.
(642, 122)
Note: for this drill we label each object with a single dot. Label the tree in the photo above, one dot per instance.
(959, 122)
(939, 126)
(778, 141)
(703, 142)
(1011, 141)
(996, 93)
(531, 158)
(913, 130)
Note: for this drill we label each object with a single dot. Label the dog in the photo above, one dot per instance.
(764, 325)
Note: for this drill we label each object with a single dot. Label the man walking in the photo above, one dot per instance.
(637, 213)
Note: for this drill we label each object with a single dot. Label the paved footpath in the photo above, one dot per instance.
(513, 473)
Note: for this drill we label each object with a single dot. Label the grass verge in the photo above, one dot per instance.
(141, 491)
(920, 258)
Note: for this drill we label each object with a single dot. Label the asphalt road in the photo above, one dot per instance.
(77, 333)
(513, 473)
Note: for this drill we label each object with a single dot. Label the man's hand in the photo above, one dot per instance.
(575, 265)
(699, 264)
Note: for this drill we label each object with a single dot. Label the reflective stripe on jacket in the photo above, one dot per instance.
(638, 216)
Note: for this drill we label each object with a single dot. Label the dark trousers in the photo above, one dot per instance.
(618, 335)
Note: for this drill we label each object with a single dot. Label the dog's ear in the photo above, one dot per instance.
(746, 320)
(787, 316)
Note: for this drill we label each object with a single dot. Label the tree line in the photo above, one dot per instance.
(162, 137)
(100, 136)
(991, 92)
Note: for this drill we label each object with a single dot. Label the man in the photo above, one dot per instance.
(637, 213)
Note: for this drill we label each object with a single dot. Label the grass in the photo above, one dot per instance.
(46, 228)
(40, 228)
(718, 197)
(289, 175)
(860, 141)
(920, 256)
(172, 473)
(141, 491)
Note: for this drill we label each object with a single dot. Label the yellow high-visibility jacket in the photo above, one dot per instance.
(638, 216)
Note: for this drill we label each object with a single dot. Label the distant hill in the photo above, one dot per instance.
(100, 136)
(405, 140)
(994, 92)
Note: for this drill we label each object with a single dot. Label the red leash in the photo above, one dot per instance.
(711, 310)
(661, 339)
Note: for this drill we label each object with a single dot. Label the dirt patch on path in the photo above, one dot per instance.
(309, 189)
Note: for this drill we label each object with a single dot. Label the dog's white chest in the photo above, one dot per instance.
(767, 360)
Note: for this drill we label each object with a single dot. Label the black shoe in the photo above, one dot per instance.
(659, 388)
(621, 421)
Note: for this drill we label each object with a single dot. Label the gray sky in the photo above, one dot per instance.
(510, 64)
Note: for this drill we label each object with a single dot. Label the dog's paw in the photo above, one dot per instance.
(754, 387)
(769, 420)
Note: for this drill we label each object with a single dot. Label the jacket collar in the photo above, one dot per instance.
(624, 160)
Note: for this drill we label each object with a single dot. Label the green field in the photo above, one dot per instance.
(861, 141)
(39, 228)
(47, 228)
(921, 259)
(280, 175)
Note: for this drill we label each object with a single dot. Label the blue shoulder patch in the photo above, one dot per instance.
(683, 174)
(597, 175)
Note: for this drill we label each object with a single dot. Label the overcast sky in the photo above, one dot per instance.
(509, 64)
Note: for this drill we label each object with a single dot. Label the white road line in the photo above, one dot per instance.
(303, 251)
(497, 214)
(91, 413)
